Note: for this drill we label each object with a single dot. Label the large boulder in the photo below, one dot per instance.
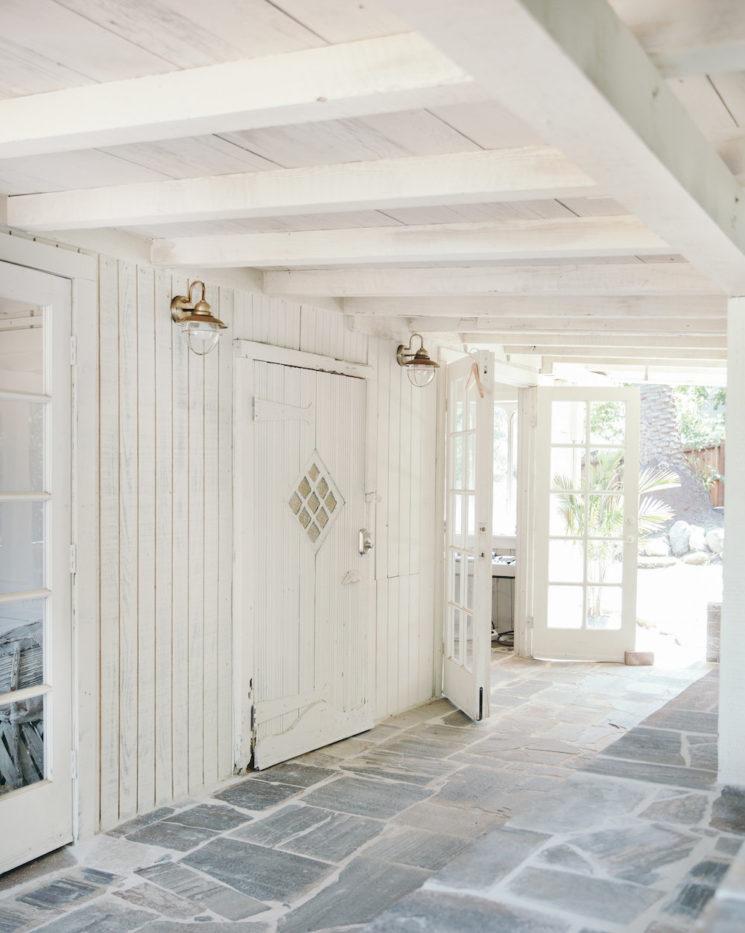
(679, 535)
(697, 539)
(715, 541)
(697, 557)
(655, 547)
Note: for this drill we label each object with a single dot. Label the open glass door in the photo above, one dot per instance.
(467, 619)
(587, 504)
(35, 643)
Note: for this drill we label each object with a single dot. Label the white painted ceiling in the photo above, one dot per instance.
(559, 252)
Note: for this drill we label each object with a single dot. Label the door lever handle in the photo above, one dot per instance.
(366, 542)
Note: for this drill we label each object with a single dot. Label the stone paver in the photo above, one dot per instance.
(586, 804)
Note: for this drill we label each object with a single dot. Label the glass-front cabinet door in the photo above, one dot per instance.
(35, 719)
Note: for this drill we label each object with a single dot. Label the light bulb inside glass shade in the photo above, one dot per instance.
(420, 375)
(201, 336)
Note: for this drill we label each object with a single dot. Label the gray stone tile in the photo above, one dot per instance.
(364, 889)
(415, 847)
(728, 811)
(210, 816)
(60, 893)
(257, 795)
(172, 836)
(440, 912)
(688, 809)
(384, 764)
(38, 868)
(477, 786)
(580, 803)
(432, 710)
(14, 918)
(490, 859)
(566, 857)
(124, 829)
(295, 773)
(162, 902)
(655, 774)
(658, 745)
(366, 798)
(635, 852)
(691, 899)
(685, 720)
(710, 871)
(704, 755)
(459, 720)
(282, 825)
(265, 874)
(170, 926)
(611, 901)
(419, 747)
(336, 838)
(438, 817)
(95, 876)
(104, 916)
(729, 845)
(224, 901)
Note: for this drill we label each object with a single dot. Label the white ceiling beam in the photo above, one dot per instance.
(512, 341)
(603, 351)
(563, 238)
(526, 173)
(379, 76)
(570, 327)
(668, 365)
(526, 307)
(685, 37)
(586, 85)
(571, 279)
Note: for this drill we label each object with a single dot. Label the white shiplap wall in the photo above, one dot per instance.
(165, 623)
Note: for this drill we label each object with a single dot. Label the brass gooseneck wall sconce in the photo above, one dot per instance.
(419, 367)
(201, 329)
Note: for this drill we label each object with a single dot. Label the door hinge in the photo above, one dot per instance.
(73, 351)
(73, 558)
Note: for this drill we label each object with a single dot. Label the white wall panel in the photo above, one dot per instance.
(166, 537)
(165, 547)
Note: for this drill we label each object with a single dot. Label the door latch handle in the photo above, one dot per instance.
(366, 541)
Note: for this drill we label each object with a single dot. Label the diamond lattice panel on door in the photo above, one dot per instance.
(316, 501)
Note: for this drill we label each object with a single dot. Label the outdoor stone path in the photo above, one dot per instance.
(587, 804)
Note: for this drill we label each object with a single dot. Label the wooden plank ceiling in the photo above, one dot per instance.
(562, 180)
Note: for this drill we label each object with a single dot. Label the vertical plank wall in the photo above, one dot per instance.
(165, 467)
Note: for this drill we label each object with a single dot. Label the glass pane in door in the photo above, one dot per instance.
(25, 507)
(21, 743)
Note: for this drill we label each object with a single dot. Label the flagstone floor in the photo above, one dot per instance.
(587, 804)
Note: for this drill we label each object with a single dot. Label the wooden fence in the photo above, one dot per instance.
(706, 462)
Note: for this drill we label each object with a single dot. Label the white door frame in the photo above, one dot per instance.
(81, 269)
(41, 816)
(243, 603)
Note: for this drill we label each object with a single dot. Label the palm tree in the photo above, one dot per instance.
(602, 515)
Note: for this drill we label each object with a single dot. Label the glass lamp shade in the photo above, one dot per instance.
(201, 336)
(420, 374)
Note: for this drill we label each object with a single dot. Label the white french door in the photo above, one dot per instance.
(587, 503)
(35, 628)
(308, 654)
(468, 534)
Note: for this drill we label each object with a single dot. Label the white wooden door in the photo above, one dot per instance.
(587, 504)
(309, 657)
(35, 628)
(468, 534)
